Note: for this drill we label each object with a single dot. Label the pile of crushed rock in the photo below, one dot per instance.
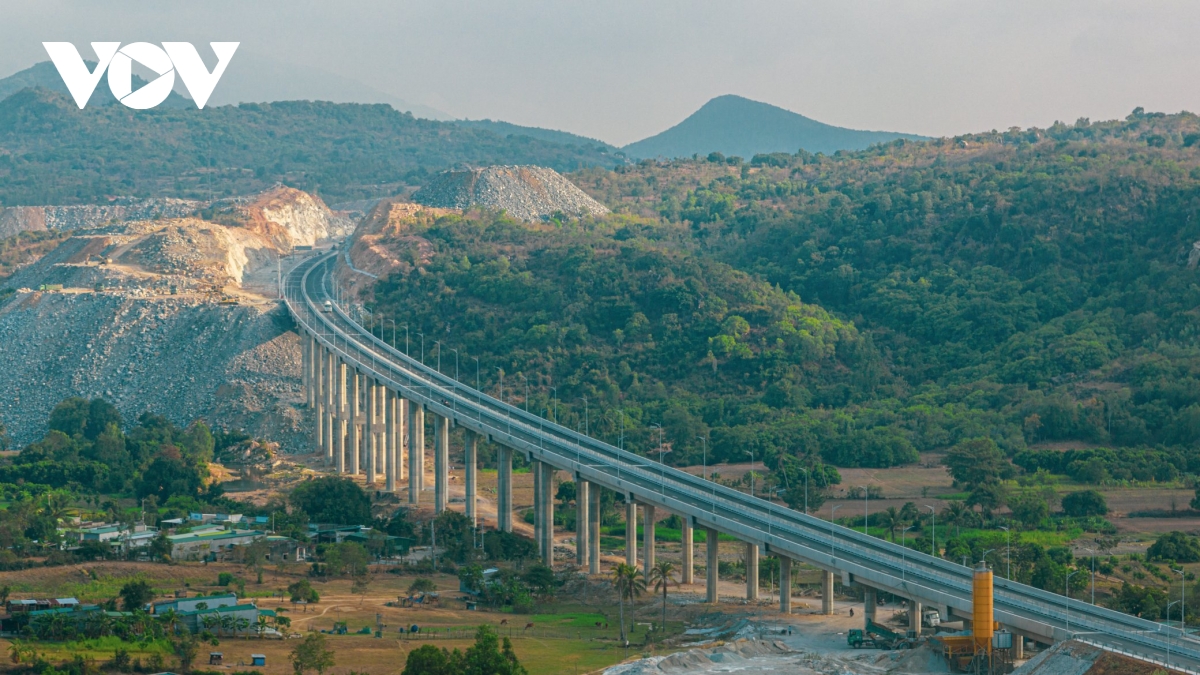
(529, 193)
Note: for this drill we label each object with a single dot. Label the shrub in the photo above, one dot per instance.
(1084, 503)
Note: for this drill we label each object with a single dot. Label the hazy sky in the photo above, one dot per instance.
(620, 71)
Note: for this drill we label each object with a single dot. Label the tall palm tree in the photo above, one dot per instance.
(261, 626)
(660, 577)
(629, 583)
(170, 619)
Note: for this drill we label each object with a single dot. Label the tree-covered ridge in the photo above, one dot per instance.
(1034, 285)
(617, 313)
(53, 153)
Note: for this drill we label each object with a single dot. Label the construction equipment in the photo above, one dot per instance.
(984, 650)
(876, 636)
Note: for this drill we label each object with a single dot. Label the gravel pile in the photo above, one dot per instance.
(187, 359)
(529, 193)
(22, 218)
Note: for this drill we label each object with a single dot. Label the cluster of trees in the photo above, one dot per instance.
(490, 655)
(88, 448)
(1027, 286)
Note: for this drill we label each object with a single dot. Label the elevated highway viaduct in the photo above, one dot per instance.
(371, 402)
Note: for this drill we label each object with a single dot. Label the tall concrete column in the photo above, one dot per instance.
(314, 371)
(914, 616)
(647, 539)
(594, 527)
(689, 564)
(470, 468)
(317, 364)
(870, 604)
(306, 368)
(389, 440)
(369, 438)
(785, 584)
(535, 471)
(402, 430)
(827, 593)
(751, 571)
(547, 515)
(353, 437)
(630, 531)
(441, 463)
(342, 411)
(330, 409)
(416, 451)
(583, 525)
(504, 506)
(711, 548)
(1018, 647)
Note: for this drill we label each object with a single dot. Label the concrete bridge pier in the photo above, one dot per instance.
(330, 392)
(401, 440)
(870, 604)
(535, 470)
(441, 463)
(389, 440)
(687, 574)
(914, 616)
(504, 508)
(318, 365)
(342, 423)
(416, 451)
(751, 560)
(583, 523)
(594, 526)
(647, 540)
(353, 385)
(369, 437)
(547, 504)
(712, 548)
(470, 478)
(827, 593)
(785, 585)
(630, 531)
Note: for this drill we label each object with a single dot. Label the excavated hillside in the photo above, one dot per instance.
(529, 193)
(177, 316)
(34, 218)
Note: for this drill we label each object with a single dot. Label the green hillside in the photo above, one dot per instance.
(1033, 286)
(737, 126)
(52, 152)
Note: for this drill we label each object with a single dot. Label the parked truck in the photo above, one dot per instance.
(876, 636)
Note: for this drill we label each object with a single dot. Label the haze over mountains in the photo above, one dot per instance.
(731, 125)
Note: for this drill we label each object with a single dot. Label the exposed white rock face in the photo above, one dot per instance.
(26, 218)
(529, 193)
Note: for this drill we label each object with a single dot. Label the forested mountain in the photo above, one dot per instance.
(53, 153)
(45, 76)
(552, 135)
(737, 126)
(1037, 286)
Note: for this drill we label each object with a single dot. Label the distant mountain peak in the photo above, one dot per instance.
(735, 125)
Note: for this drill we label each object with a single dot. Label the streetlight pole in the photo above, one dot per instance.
(1008, 558)
(751, 453)
(422, 336)
(1169, 606)
(933, 519)
(501, 371)
(703, 457)
(555, 390)
(805, 470)
(406, 339)
(522, 376)
(1067, 604)
(866, 507)
(904, 551)
(476, 372)
(1182, 594)
(585, 417)
(832, 538)
(439, 359)
(455, 364)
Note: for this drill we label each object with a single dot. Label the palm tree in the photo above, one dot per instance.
(261, 626)
(888, 520)
(240, 624)
(170, 619)
(660, 577)
(211, 621)
(628, 582)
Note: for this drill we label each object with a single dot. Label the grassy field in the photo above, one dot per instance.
(567, 635)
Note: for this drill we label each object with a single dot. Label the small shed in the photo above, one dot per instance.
(214, 658)
(258, 659)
